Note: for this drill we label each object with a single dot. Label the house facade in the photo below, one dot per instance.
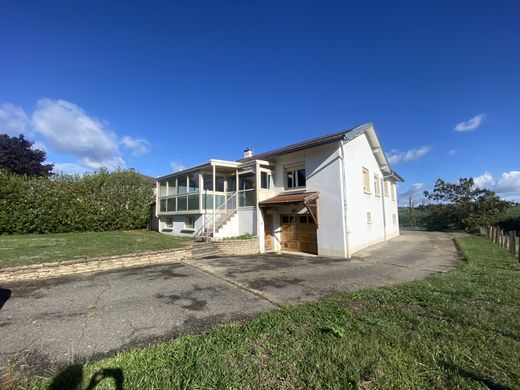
(331, 196)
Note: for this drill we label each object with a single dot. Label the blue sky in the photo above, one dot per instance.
(160, 85)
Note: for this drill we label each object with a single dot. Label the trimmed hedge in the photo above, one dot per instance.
(98, 201)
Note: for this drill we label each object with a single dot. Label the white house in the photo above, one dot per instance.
(331, 196)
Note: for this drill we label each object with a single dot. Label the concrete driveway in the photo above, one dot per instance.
(83, 317)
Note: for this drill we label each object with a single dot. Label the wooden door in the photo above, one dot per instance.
(268, 232)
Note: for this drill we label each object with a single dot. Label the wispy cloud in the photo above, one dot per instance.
(138, 146)
(67, 129)
(13, 120)
(471, 124)
(177, 166)
(453, 152)
(415, 192)
(397, 157)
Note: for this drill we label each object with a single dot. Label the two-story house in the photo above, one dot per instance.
(331, 195)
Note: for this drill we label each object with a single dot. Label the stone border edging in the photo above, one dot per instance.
(95, 264)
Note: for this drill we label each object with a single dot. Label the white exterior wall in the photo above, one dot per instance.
(323, 171)
(178, 224)
(358, 155)
(392, 228)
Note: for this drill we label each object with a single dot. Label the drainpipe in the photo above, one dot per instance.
(383, 205)
(214, 172)
(344, 198)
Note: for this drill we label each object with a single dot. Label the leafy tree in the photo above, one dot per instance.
(17, 156)
(462, 205)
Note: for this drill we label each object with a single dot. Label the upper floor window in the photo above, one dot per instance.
(387, 188)
(393, 191)
(265, 180)
(377, 185)
(295, 177)
(366, 180)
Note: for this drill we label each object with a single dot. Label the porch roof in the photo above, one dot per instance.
(290, 198)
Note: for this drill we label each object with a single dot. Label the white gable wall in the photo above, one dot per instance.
(358, 155)
(323, 171)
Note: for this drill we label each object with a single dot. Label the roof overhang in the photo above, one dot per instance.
(308, 199)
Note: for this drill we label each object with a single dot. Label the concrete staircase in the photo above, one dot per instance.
(205, 250)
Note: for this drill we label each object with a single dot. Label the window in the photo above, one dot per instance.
(189, 223)
(193, 182)
(162, 188)
(182, 184)
(366, 181)
(295, 177)
(369, 218)
(193, 202)
(208, 183)
(182, 203)
(265, 180)
(393, 191)
(247, 181)
(387, 188)
(377, 185)
(163, 206)
(171, 205)
(394, 219)
(172, 186)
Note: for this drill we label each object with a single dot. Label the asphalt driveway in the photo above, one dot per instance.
(84, 317)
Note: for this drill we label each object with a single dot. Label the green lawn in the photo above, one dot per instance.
(44, 248)
(455, 330)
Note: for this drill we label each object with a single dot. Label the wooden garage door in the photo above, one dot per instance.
(299, 233)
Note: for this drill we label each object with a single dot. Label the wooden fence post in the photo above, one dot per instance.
(512, 242)
(494, 240)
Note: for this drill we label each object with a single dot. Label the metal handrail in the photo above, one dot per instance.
(220, 218)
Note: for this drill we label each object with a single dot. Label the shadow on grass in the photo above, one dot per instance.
(71, 378)
(476, 377)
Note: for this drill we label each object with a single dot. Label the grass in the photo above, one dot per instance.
(456, 330)
(43, 248)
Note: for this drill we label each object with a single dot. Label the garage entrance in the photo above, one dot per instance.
(299, 233)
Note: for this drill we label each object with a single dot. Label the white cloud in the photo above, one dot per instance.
(69, 168)
(484, 181)
(39, 146)
(138, 146)
(509, 182)
(177, 166)
(452, 152)
(397, 157)
(471, 124)
(507, 186)
(416, 192)
(68, 129)
(13, 120)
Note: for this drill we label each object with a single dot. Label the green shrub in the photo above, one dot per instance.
(93, 202)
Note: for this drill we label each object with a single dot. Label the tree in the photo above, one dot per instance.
(462, 205)
(17, 156)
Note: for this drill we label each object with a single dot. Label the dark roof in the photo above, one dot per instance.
(289, 198)
(302, 145)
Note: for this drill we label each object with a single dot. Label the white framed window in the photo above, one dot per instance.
(387, 188)
(394, 219)
(377, 185)
(366, 180)
(369, 218)
(393, 191)
(189, 223)
(265, 180)
(295, 177)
